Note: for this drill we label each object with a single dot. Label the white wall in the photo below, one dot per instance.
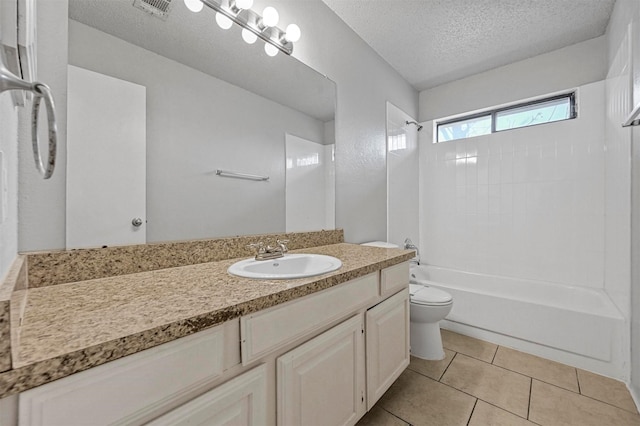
(624, 142)
(41, 205)
(192, 130)
(310, 185)
(8, 183)
(525, 203)
(402, 177)
(364, 81)
(571, 66)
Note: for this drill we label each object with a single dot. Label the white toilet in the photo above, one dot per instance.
(428, 305)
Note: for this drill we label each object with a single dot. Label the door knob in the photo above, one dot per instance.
(136, 222)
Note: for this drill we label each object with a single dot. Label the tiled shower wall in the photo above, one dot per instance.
(526, 203)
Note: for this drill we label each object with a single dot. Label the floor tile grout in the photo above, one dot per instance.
(588, 397)
(472, 410)
(397, 417)
(455, 354)
(466, 393)
(495, 353)
(530, 392)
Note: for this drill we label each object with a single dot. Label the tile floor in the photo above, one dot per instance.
(480, 384)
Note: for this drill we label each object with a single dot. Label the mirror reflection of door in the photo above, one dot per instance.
(106, 157)
(310, 185)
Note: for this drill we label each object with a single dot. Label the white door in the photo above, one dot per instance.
(387, 344)
(322, 382)
(106, 160)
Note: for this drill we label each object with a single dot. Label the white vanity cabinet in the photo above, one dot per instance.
(321, 359)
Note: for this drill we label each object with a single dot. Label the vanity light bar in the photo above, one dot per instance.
(253, 22)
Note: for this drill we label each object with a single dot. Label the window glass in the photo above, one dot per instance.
(548, 110)
(465, 128)
(530, 115)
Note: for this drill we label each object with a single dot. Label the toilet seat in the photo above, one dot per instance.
(425, 295)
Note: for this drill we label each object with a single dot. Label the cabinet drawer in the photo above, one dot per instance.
(129, 388)
(270, 329)
(394, 278)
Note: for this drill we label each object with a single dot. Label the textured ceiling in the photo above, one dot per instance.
(431, 42)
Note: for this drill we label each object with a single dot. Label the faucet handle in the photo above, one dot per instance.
(283, 245)
(258, 247)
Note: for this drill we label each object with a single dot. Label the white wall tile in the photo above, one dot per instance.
(526, 203)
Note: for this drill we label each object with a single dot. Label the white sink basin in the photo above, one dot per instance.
(288, 267)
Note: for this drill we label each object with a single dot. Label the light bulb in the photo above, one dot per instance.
(244, 4)
(293, 33)
(194, 5)
(270, 49)
(248, 36)
(270, 16)
(223, 22)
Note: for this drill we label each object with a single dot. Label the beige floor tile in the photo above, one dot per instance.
(500, 387)
(539, 368)
(606, 390)
(379, 417)
(420, 400)
(468, 345)
(488, 415)
(433, 369)
(551, 405)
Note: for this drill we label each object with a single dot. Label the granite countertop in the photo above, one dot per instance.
(71, 327)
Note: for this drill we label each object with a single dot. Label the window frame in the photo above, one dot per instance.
(493, 112)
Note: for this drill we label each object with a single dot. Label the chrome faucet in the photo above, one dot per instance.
(408, 245)
(268, 252)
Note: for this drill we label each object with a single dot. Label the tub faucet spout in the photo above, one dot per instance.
(408, 245)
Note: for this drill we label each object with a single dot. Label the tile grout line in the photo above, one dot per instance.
(530, 393)
(397, 417)
(472, 410)
(578, 380)
(471, 395)
(445, 370)
(495, 354)
(588, 397)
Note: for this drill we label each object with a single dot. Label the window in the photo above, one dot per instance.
(541, 111)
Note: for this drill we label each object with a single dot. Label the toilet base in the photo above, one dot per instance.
(426, 341)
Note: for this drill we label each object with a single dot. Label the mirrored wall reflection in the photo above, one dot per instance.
(310, 184)
(212, 102)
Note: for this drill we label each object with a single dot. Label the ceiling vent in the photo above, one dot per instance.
(157, 8)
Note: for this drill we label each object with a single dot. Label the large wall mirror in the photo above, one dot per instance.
(208, 102)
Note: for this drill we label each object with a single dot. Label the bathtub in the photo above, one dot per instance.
(578, 321)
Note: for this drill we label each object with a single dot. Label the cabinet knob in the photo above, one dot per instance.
(136, 221)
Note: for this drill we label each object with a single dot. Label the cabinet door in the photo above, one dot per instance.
(240, 401)
(387, 344)
(322, 382)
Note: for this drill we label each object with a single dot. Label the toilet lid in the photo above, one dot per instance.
(429, 296)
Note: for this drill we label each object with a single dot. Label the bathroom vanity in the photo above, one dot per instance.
(195, 344)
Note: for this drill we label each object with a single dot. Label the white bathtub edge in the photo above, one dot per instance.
(613, 369)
